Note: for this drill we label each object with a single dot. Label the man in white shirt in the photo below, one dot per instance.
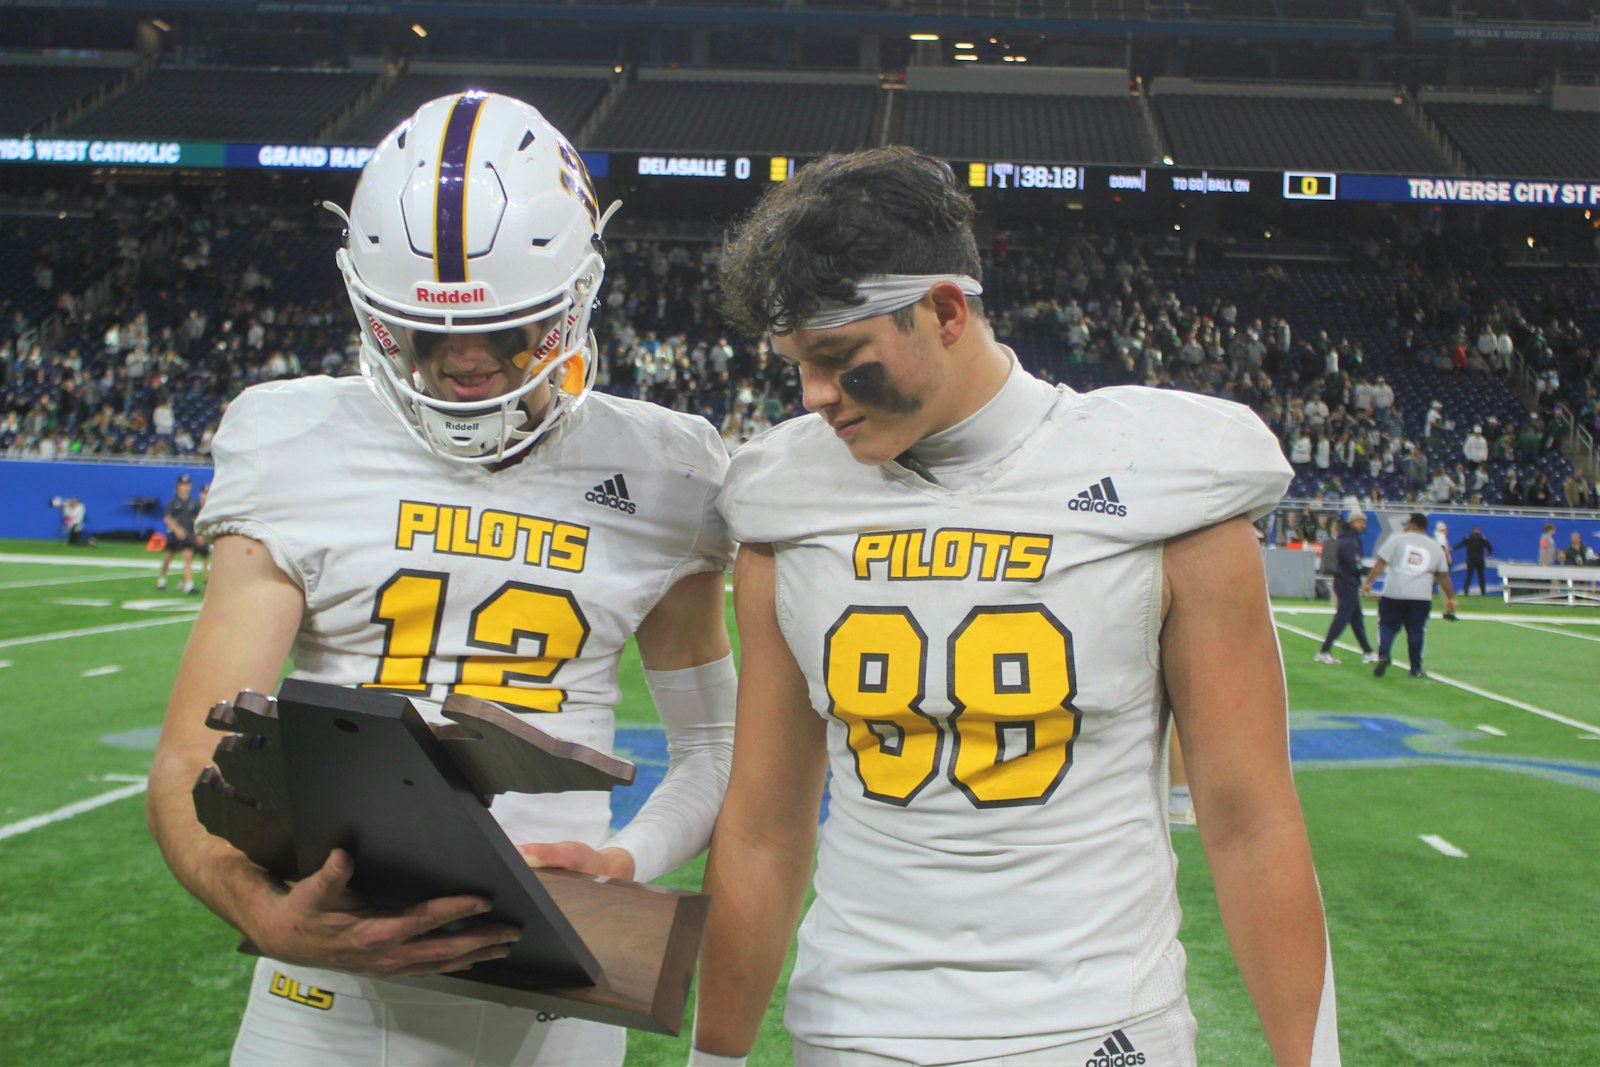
(1475, 447)
(1411, 564)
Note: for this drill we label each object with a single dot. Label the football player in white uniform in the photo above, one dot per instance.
(975, 599)
(468, 518)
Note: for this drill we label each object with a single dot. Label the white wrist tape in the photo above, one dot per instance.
(702, 1058)
(696, 707)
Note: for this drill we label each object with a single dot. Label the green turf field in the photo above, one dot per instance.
(1486, 957)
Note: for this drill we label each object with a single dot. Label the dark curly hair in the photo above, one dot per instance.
(891, 210)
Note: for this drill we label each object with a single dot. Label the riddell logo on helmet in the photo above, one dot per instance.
(478, 294)
(552, 339)
(385, 338)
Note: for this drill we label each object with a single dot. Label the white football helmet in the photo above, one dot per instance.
(475, 215)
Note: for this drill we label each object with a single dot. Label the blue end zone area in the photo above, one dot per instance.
(1325, 740)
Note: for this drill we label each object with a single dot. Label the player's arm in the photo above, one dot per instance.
(683, 644)
(1224, 678)
(241, 639)
(1446, 586)
(761, 853)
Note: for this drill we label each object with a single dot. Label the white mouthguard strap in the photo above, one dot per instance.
(882, 294)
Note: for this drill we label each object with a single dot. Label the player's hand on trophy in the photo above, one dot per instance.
(577, 856)
(319, 921)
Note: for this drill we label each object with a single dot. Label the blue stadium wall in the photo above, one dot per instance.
(118, 495)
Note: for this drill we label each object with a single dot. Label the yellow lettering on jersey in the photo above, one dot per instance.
(915, 567)
(951, 555)
(538, 537)
(462, 543)
(993, 544)
(447, 522)
(415, 519)
(454, 530)
(497, 535)
(871, 548)
(290, 989)
(568, 546)
(1029, 554)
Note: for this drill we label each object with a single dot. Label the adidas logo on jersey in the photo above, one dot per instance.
(1100, 498)
(613, 493)
(1118, 1051)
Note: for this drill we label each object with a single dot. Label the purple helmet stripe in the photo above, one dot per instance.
(450, 219)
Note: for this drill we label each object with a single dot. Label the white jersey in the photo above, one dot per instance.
(995, 874)
(423, 576)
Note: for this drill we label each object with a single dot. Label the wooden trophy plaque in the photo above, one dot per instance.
(323, 767)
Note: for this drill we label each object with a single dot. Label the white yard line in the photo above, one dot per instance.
(90, 631)
(1466, 687)
(79, 561)
(39, 583)
(1493, 730)
(1548, 630)
(1593, 619)
(99, 672)
(1436, 842)
(62, 814)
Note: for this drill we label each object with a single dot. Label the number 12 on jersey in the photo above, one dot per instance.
(411, 608)
(1010, 682)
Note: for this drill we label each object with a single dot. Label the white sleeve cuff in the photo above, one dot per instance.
(696, 706)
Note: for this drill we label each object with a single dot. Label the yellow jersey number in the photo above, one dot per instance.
(410, 607)
(1010, 684)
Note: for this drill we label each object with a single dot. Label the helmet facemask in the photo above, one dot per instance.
(555, 355)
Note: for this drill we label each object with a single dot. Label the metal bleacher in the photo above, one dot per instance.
(30, 94)
(1523, 140)
(225, 105)
(1364, 136)
(741, 116)
(1027, 126)
(566, 102)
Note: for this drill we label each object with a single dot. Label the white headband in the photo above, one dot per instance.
(882, 294)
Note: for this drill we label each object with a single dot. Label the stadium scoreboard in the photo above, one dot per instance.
(1310, 185)
(1076, 182)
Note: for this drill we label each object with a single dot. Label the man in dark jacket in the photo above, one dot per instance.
(1347, 572)
(1478, 548)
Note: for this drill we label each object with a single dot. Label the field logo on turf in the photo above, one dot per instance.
(1321, 740)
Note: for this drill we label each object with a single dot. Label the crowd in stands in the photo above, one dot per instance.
(1408, 399)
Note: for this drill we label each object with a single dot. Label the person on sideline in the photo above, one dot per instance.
(974, 597)
(1414, 564)
(1347, 573)
(1478, 548)
(1547, 545)
(179, 518)
(442, 519)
